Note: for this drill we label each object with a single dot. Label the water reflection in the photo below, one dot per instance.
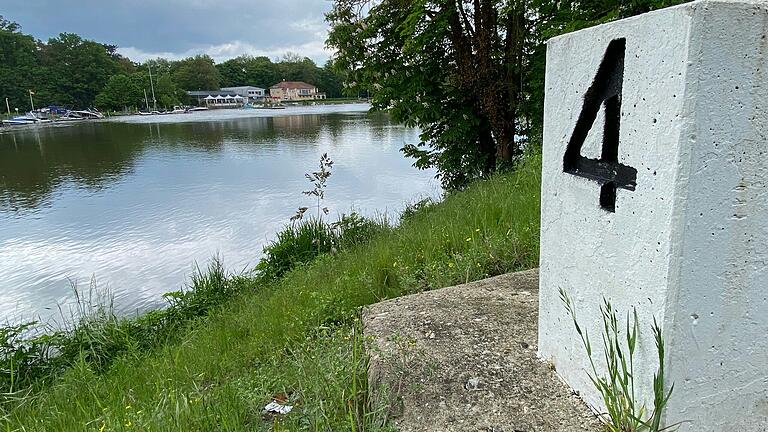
(137, 203)
(34, 162)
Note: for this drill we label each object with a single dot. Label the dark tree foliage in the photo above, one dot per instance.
(127, 92)
(75, 70)
(469, 73)
(448, 67)
(330, 82)
(248, 70)
(18, 65)
(196, 73)
(9, 26)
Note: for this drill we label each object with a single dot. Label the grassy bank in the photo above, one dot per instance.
(296, 337)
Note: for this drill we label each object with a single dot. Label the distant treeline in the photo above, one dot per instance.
(74, 72)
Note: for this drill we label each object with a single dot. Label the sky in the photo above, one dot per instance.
(174, 29)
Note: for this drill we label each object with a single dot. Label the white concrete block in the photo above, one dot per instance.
(687, 240)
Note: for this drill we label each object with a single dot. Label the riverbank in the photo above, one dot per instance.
(295, 339)
(106, 198)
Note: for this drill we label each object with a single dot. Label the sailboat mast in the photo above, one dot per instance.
(146, 101)
(152, 85)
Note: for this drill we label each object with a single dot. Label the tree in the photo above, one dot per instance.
(69, 70)
(127, 92)
(159, 66)
(73, 70)
(330, 82)
(451, 67)
(166, 91)
(124, 65)
(9, 26)
(18, 65)
(248, 70)
(196, 73)
(293, 67)
(120, 93)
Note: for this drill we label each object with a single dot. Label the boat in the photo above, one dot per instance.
(28, 119)
(198, 109)
(178, 110)
(69, 117)
(20, 120)
(48, 115)
(51, 112)
(87, 114)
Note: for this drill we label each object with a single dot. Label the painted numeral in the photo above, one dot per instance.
(605, 91)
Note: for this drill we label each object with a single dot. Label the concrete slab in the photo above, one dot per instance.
(464, 358)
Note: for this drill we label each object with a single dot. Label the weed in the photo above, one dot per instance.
(624, 412)
(318, 180)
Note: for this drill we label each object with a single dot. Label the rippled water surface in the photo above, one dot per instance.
(136, 202)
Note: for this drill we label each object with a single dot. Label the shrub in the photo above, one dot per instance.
(304, 240)
(419, 207)
(298, 243)
(353, 229)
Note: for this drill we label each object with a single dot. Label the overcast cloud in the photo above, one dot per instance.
(175, 29)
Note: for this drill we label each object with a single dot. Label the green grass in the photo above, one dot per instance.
(299, 336)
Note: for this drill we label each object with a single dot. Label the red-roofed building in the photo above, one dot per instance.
(294, 91)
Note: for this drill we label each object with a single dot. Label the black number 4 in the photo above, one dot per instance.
(606, 171)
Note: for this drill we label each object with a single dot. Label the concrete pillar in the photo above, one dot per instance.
(655, 196)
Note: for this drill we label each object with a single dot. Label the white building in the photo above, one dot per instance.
(250, 93)
(217, 98)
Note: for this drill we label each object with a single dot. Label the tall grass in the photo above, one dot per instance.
(296, 337)
(92, 333)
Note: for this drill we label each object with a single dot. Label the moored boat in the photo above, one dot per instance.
(28, 119)
(87, 114)
(20, 120)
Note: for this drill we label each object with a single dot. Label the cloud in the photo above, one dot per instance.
(315, 50)
(179, 28)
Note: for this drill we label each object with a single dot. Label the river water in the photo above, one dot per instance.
(135, 203)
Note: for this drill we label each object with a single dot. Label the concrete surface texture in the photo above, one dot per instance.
(464, 359)
(689, 245)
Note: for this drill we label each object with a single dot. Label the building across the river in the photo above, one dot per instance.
(294, 91)
(217, 98)
(251, 93)
(233, 97)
